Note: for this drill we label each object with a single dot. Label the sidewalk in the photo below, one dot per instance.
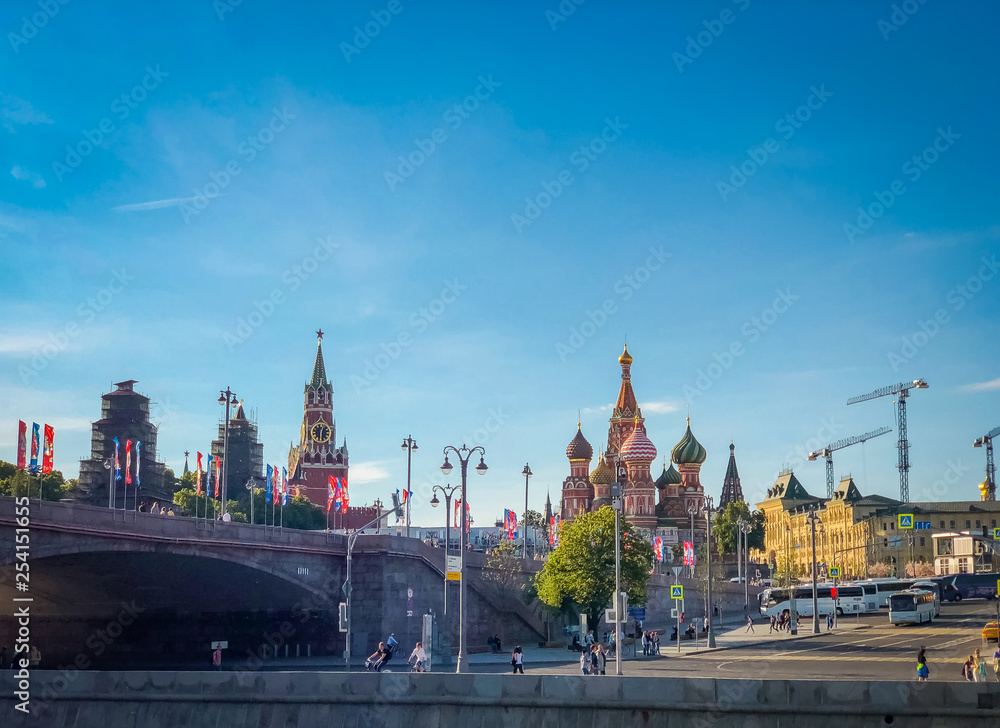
(738, 637)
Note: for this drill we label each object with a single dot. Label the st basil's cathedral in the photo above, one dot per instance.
(627, 458)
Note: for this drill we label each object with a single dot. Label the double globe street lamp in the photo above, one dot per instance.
(448, 491)
(463, 454)
(410, 445)
(227, 398)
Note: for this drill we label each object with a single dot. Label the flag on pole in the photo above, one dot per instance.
(218, 465)
(277, 487)
(35, 443)
(22, 445)
(128, 462)
(269, 485)
(345, 499)
(118, 467)
(552, 530)
(47, 449)
(208, 476)
(284, 486)
(197, 482)
(658, 548)
(334, 494)
(138, 461)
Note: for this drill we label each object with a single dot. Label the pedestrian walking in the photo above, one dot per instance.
(217, 658)
(602, 660)
(969, 670)
(829, 622)
(584, 661)
(594, 668)
(980, 667)
(996, 662)
(923, 672)
(774, 624)
(645, 644)
(750, 624)
(656, 642)
(517, 660)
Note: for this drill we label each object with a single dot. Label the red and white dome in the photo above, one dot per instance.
(638, 447)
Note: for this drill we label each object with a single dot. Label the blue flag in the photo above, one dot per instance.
(284, 486)
(270, 484)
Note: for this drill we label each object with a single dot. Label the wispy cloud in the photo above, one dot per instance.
(981, 386)
(153, 205)
(369, 472)
(23, 174)
(658, 408)
(18, 112)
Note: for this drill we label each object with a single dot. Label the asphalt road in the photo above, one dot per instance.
(879, 651)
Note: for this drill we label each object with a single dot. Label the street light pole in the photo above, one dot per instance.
(448, 491)
(692, 511)
(227, 397)
(249, 485)
(463, 453)
(347, 584)
(409, 444)
(708, 553)
(812, 518)
(524, 526)
(616, 503)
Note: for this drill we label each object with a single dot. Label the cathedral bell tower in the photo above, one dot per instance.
(317, 456)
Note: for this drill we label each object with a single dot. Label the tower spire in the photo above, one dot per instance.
(319, 368)
(732, 491)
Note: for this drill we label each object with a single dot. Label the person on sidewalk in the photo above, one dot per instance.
(750, 624)
(923, 672)
(774, 624)
(418, 658)
(645, 644)
(517, 660)
(656, 642)
(602, 660)
(217, 658)
(829, 622)
(584, 661)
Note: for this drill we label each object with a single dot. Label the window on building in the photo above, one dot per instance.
(942, 524)
(978, 523)
(993, 523)
(923, 541)
(963, 566)
(952, 524)
(968, 524)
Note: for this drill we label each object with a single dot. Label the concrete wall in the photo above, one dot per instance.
(307, 700)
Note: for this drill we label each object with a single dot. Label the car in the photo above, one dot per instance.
(991, 632)
(738, 580)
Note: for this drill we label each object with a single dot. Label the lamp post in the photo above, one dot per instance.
(448, 491)
(524, 526)
(227, 398)
(409, 444)
(616, 504)
(692, 511)
(249, 486)
(793, 624)
(708, 555)
(347, 584)
(812, 519)
(745, 529)
(463, 453)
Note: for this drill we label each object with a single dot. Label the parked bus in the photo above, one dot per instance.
(911, 606)
(884, 588)
(934, 587)
(850, 600)
(956, 587)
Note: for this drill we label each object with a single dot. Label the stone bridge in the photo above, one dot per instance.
(140, 590)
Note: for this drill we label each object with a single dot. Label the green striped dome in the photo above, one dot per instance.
(688, 450)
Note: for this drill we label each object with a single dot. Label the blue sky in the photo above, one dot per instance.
(166, 172)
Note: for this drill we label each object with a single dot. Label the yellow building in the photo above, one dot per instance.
(860, 534)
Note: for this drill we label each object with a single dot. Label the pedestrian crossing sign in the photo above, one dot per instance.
(996, 533)
(677, 592)
(834, 572)
(905, 520)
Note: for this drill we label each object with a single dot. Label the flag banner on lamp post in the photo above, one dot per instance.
(22, 445)
(268, 485)
(128, 462)
(332, 495)
(284, 486)
(277, 486)
(208, 476)
(48, 449)
(658, 548)
(35, 444)
(218, 464)
(138, 460)
(345, 498)
(197, 481)
(118, 467)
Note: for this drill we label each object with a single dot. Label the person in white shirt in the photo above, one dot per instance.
(419, 658)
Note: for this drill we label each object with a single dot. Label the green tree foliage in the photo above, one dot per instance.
(14, 482)
(503, 580)
(724, 527)
(582, 569)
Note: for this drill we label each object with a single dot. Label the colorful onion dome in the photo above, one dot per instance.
(688, 450)
(602, 474)
(579, 448)
(669, 476)
(638, 446)
(625, 358)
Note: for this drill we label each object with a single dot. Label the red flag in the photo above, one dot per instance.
(217, 461)
(48, 449)
(22, 445)
(344, 497)
(128, 462)
(331, 496)
(197, 482)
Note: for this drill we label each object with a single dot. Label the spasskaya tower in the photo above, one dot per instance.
(317, 456)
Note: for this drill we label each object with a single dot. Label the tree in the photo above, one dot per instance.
(537, 521)
(20, 483)
(502, 579)
(582, 569)
(725, 526)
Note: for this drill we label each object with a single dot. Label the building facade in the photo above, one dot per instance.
(317, 457)
(660, 506)
(860, 534)
(125, 415)
(246, 452)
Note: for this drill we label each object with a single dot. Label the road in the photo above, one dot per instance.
(876, 651)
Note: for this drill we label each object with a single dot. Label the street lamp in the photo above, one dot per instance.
(463, 453)
(745, 529)
(793, 624)
(448, 491)
(249, 486)
(812, 519)
(524, 526)
(410, 445)
(227, 398)
(616, 503)
(708, 553)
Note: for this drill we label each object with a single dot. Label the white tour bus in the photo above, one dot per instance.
(884, 588)
(934, 588)
(911, 606)
(850, 600)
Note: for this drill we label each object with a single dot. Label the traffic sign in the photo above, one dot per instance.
(347, 589)
(834, 572)
(224, 645)
(637, 613)
(454, 568)
(905, 520)
(677, 570)
(996, 533)
(677, 592)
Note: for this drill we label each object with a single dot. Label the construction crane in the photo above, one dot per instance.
(988, 488)
(902, 390)
(827, 452)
